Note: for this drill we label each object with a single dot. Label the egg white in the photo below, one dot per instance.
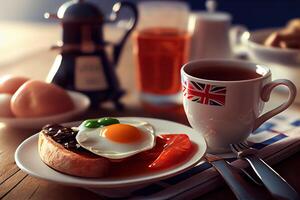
(91, 140)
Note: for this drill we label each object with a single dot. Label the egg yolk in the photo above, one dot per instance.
(122, 133)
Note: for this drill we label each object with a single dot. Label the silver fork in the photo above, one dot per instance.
(276, 185)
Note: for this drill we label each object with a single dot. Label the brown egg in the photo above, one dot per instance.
(10, 84)
(5, 110)
(40, 99)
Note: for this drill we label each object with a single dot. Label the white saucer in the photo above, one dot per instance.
(81, 103)
(28, 160)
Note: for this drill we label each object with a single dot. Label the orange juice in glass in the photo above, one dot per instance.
(159, 52)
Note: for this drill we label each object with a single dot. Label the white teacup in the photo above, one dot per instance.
(227, 111)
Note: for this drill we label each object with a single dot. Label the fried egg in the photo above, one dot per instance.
(117, 141)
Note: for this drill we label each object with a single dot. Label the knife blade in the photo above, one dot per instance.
(237, 184)
(278, 187)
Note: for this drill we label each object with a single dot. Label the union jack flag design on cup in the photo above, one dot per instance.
(208, 94)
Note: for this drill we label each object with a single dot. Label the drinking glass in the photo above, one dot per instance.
(161, 47)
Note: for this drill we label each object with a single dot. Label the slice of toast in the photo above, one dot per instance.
(76, 163)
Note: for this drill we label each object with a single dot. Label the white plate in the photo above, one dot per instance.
(81, 103)
(28, 160)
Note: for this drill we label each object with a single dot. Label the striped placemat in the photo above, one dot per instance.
(276, 140)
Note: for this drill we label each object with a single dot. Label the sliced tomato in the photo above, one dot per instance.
(177, 147)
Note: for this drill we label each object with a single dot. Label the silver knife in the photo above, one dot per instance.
(271, 179)
(237, 184)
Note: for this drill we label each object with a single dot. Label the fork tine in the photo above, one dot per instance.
(241, 147)
(234, 148)
(245, 145)
(237, 148)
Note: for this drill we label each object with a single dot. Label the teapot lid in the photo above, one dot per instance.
(79, 11)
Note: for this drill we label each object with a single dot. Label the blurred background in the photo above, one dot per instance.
(25, 35)
(252, 13)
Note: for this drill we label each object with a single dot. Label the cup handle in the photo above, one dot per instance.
(235, 34)
(265, 96)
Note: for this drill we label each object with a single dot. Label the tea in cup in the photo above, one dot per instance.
(224, 99)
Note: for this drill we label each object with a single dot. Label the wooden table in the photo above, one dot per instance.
(15, 184)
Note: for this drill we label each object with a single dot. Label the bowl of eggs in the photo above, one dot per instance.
(30, 104)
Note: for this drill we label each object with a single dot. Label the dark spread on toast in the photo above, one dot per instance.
(66, 136)
(62, 135)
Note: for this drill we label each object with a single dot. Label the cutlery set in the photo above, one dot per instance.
(262, 175)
